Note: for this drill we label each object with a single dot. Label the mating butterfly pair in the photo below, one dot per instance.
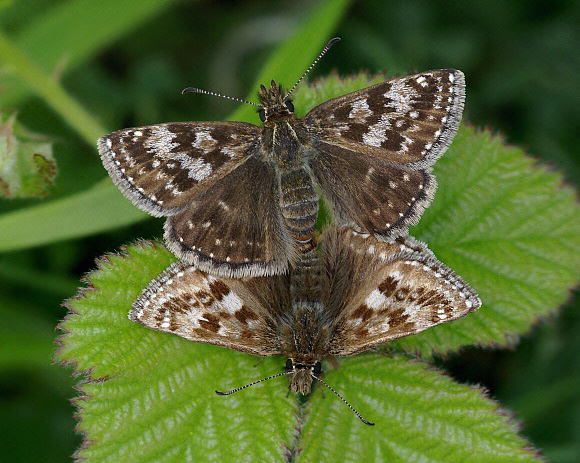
(242, 201)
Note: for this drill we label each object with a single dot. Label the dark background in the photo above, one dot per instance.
(522, 65)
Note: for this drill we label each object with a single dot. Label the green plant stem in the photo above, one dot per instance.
(50, 90)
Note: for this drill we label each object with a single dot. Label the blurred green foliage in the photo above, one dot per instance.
(125, 63)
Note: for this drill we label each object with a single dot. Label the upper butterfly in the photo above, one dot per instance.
(242, 200)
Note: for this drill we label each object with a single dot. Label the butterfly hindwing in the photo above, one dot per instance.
(380, 198)
(403, 290)
(234, 228)
(199, 307)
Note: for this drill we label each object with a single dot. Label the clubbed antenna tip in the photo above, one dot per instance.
(330, 43)
(368, 423)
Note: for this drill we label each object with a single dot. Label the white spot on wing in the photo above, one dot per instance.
(197, 169)
(360, 110)
(400, 96)
(376, 299)
(203, 140)
(232, 302)
(377, 132)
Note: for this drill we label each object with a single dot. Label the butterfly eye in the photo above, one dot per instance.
(289, 366)
(289, 105)
(262, 114)
(317, 368)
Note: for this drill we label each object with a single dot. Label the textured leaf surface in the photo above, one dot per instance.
(151, 395)
(510, 228)
(419, 414)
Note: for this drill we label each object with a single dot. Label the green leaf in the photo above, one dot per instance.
(151, 395)
(509, 227)
(100, 207)
(420, 414)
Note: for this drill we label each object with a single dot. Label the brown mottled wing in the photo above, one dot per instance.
(376, 146)
(161, 168)
(229, 313)
(234, 228)
(407, 120)
(381, 291)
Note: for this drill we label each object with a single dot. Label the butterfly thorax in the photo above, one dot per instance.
(285, 144)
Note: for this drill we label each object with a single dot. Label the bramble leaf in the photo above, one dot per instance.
(508, 227)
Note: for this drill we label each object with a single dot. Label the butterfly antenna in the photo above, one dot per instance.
(322, 53)
(368, 423)
(255, 382)
(199, 90)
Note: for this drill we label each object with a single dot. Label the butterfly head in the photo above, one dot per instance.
(274, 103)
(302, 375)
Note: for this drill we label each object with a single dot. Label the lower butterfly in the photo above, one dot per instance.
(371, 292)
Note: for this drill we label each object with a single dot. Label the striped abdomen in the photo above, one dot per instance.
(299, 205)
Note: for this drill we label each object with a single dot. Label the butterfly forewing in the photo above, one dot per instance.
(161, 168)
(196, 306)
(406, 120)
(384, 139)
(404, 291)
